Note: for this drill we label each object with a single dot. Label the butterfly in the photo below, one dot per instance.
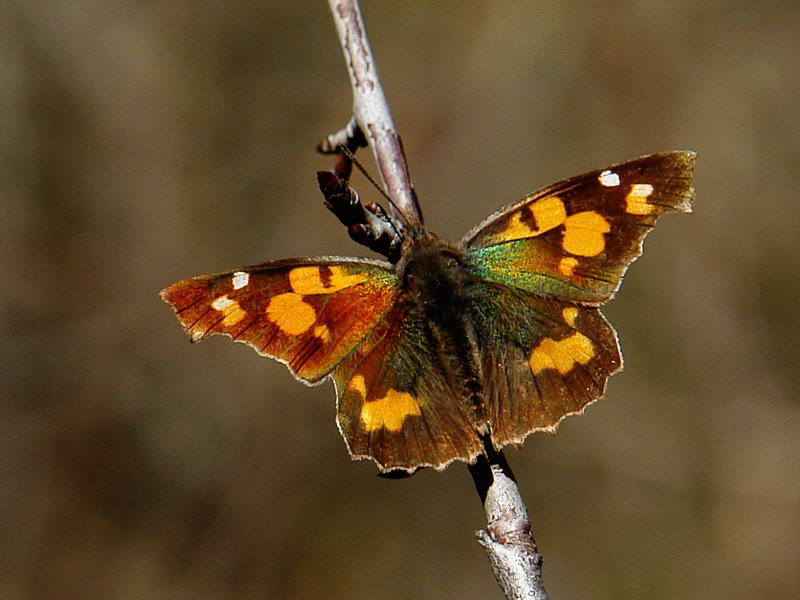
(455, 345)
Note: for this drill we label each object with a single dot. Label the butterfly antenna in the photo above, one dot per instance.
(369, 177)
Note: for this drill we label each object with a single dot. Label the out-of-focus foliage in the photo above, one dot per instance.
(144, 142)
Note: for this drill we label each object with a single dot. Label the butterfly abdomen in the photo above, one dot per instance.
(439, 291)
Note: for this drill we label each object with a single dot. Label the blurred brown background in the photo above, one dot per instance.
(144, 142)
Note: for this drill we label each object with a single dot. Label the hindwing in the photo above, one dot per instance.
(397, 402)
(543, 359)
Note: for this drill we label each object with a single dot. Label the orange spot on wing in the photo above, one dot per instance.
(567, 265)
(389, 412)
(584, 233)
(561, 355)
(322, 332)
(547, 213)
(516, 229)
(309, 280)
(357, 385)
(290, 313)
(636, 200)
(569, 314)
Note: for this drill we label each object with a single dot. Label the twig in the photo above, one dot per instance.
(508, 537)
(508, 540)
(371, 112)
(352, 138)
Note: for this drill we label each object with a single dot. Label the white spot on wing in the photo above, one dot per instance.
(240, 279)
(222, 303)
(643, 190)
(609, 179)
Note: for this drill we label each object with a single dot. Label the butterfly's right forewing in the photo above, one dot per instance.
(307, 313)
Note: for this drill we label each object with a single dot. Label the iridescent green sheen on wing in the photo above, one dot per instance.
(543, 359)
(575, 239)
(535, 268)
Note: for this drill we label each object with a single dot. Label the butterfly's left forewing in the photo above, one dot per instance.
(574, 240)
(308, 313)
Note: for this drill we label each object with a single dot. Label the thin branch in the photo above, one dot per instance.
(508, 540)
(371, 112)
(508, 537)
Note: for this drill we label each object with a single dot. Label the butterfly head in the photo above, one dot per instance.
(433, 271)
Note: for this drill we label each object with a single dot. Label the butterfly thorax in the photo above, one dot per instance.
(438, 289)
(433, 275)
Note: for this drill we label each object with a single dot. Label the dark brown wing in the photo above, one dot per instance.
(396, 404)
(574, 240)
(539, 361)
(543, 359)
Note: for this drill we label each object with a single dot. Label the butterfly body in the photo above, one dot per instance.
(441, 295)
(492, 338)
